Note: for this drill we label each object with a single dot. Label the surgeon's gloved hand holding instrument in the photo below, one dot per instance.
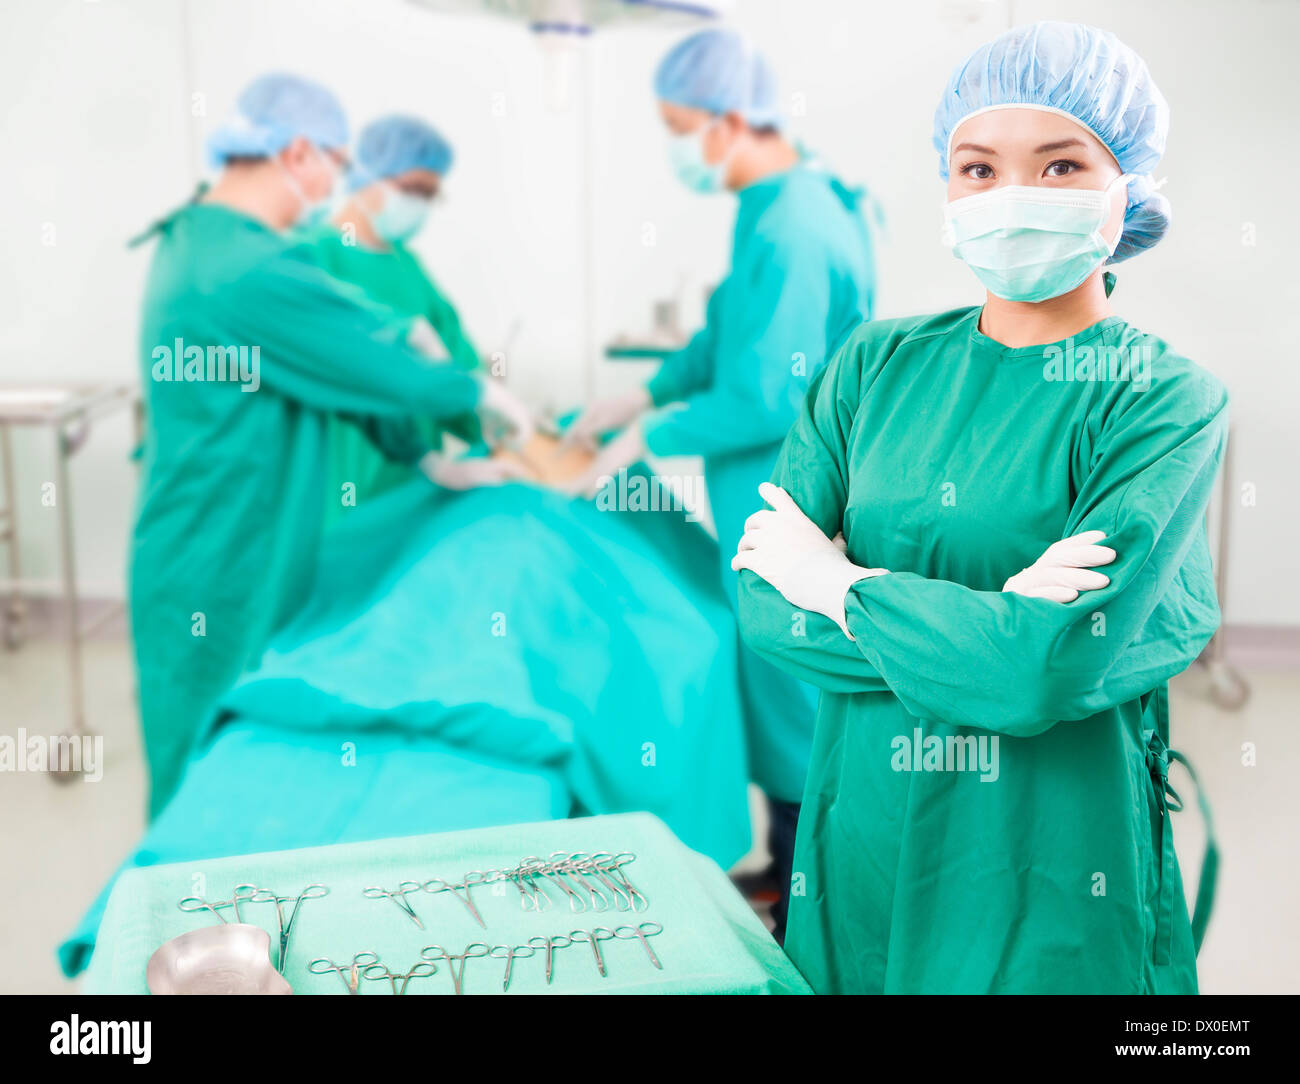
(606, 416)
(502, 409)
(1064, 569)
(470, 472)
(789, 551)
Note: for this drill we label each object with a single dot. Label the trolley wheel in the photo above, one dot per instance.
(1228, 688)
(63, 772)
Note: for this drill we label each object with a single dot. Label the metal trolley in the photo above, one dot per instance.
(67, 413)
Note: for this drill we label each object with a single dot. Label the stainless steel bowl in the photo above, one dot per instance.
(231, 959)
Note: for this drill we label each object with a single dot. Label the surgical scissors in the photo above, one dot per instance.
(266, 895)
(614, 866)
(525, 876)
(509, 952)
(594, 938)
(470, 952)
(641, 932)
(244, 892)
(418, 970)
(349, 973)
(596, 868)
(553, 873)
(550, 944)
(398, 896)
(580, 869)
(475, 877)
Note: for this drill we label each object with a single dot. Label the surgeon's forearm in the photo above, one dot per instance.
(403, 440)
(804, 644)
(447, 392)
(687, 371)
(705, 425)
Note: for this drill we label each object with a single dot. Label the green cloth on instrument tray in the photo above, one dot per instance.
(257, 788)
(429, 642)
(711, 941)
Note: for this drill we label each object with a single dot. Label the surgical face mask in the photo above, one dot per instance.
(401, 216)
(1026, 243)
(686, 153)
(310, 212)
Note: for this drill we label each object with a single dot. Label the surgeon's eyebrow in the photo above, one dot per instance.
(1059, 145)
(976, 148)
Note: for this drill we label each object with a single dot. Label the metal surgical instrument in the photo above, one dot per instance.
(398, 896)
(469, 880)
(349, 973)
(244, 892)
(437, 952)
(265, 895)
(641, 932)
(508, 953)
(550, 944)
(381, 972)
(594, 938)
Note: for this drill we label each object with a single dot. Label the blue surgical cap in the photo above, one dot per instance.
(1084, 73)
(392, 145)
(721, 71)
(273, 111)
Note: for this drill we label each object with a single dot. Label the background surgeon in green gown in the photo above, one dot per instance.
(802, 277)
(987, 808)
(397, 174)
(229, 514)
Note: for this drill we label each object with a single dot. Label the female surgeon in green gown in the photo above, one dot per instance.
(396, 175)
(986, 808)
(248, 350)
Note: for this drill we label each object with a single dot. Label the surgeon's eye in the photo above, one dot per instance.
(1062, 167)
(979, 171)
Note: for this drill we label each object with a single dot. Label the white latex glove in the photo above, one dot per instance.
(500, 404)
(424, 338)
(605, 415)
(1064, 569)
(624, 450)
(790, 552)
(470, 472)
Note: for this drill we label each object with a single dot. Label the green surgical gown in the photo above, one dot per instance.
(802, 277)
(229, 514)
(955, 461)
(396, 279)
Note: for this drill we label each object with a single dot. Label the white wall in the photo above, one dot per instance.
(576, 236)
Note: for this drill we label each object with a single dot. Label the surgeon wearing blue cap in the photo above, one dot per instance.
(802, 277)
(1021, 486)
(398, 169)
(248, 351)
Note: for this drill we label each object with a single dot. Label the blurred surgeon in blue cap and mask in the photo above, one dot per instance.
(396, 179)
(802, 277)
(248, 350)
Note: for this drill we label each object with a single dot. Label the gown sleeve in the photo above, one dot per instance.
(775, 328)
(1017, 665)
(445, 320)
(690, 369)
(403, 440)
(812, 468)
(320, 347)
